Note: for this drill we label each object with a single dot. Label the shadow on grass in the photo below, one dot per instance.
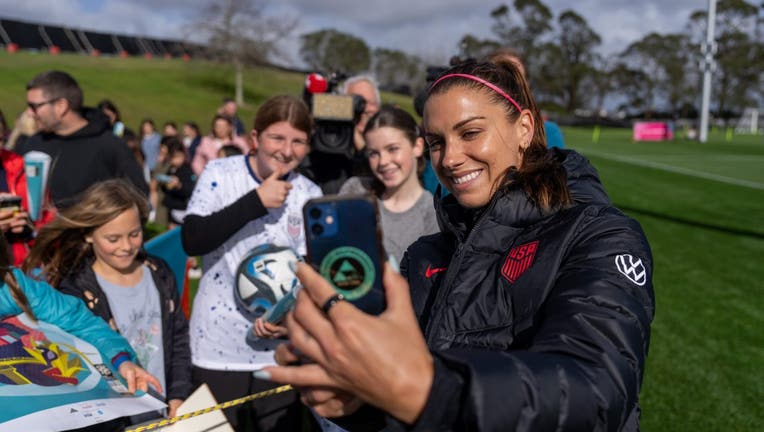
(692, 223)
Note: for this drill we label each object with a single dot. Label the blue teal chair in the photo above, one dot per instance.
(169, 247)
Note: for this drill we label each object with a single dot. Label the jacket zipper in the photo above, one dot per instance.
(451, 273)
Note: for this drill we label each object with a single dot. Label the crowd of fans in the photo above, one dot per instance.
(107, 180)
(461, 326)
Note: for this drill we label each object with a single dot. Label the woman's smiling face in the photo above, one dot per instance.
(472, 142)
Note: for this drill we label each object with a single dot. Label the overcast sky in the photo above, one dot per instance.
(428, 28)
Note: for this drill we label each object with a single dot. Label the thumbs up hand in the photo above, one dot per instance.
(272, 191)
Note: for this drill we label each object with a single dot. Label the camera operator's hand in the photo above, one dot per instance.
(358, 140)
(273, 192)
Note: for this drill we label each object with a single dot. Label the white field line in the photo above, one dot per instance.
(678, 170)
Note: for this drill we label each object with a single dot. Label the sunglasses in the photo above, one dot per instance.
(35, 106)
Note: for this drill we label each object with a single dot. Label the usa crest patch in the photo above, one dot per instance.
(518, 261)
(294, 225)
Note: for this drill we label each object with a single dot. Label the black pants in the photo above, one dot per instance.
(281, 412)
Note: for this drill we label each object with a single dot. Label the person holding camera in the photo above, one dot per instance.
(337, 145)
(365, 87)
(531, 310)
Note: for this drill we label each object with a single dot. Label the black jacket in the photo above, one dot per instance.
(87, 156)
(536, 321)
(82, 283)
(177, 199)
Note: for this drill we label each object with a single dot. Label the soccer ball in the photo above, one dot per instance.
(263, 278)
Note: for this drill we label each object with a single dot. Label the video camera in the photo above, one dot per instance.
(335, 115)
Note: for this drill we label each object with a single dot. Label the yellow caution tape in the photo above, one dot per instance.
(224, 405)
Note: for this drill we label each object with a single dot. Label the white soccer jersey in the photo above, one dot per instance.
(217, 329)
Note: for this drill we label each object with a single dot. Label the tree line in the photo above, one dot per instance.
(658, 74)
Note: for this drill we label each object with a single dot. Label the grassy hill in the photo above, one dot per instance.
(162, 89)
(701, 205)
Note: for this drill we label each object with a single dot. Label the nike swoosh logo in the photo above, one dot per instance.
(431, 271)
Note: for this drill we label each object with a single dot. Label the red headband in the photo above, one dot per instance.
(481, 81)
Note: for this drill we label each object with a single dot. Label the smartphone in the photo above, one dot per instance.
(162, 178)
(10, 202)
(344, 243)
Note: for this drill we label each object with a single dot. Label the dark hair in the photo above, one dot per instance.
(145, 121)
(394, 117)
(133, 142)
(231, 150)
(284, 108)
(502, 53)
(540, 174)
(6, 276)
(108, 105)
(227, 119)
(172, 124)
(227, 100)
(58, 85)
(60, 246)
(194, 126)
(173, 144)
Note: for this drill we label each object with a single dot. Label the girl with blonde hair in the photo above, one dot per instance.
(94, 250)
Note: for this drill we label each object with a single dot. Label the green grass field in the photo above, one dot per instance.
(705, 367)
(701, 205)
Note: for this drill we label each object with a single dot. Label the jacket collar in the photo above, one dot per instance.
(508, 207)
(511, 207)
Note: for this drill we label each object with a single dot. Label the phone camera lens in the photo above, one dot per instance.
(317, 229)
(315, 213)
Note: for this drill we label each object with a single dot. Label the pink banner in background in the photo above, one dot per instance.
(653, 131)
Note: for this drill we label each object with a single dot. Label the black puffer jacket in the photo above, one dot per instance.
(536, 321)
(82, 283)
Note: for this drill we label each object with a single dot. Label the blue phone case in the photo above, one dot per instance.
(344, 244)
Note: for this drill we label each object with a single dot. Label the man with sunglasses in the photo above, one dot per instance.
(79, 140)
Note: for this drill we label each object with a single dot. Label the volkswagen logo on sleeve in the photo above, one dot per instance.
(632, 268)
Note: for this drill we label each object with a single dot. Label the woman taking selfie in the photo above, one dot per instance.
(531, 310)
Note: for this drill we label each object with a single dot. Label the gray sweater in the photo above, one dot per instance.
(399, 229)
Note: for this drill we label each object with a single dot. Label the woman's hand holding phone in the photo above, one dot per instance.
(383, 360)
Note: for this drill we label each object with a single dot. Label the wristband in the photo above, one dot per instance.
(120, 358)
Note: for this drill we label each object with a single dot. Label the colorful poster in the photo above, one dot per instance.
(51, 380)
